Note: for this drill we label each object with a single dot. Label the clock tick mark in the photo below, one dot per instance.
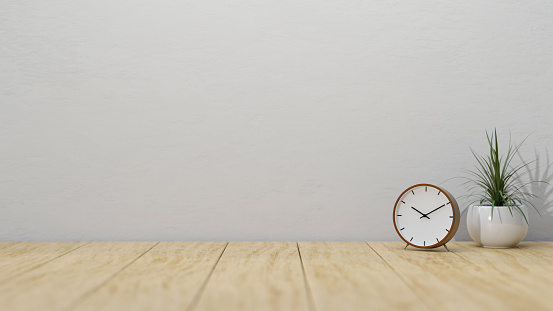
(411, 239)
(450, 216)
(439, 192)
(425, 189)
(424, 243)
(400, 215)
(437, 240)
(447, 230)
(403, 202)
(401, 228)
(447, 203)
(413, 192)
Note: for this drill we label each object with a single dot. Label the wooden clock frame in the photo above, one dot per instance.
(454, 224)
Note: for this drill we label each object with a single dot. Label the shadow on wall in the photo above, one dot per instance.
(541, 227)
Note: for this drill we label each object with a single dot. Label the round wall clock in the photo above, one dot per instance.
(426, 216)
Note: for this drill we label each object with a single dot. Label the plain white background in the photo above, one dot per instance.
(259, 120)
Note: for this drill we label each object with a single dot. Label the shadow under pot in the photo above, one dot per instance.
(505, 229)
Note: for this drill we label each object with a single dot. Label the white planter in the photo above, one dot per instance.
(502, 231)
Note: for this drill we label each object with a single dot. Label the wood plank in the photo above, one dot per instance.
(543, 248)
(351, 276)
(529, 273)
(59, 283)
(25, 256)
(168, 277)
(526, 257)
(446, 281)
(7, 244)
(256, 276)
(545, 244)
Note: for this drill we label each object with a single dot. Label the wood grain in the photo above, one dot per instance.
(528, 257)
(7, 244)
(22, 257)
(545, 248)
(446, 281)
(351, 276)
(59, 283)
(531, 275)
(270, 276)
(256, 276)
(168, 277)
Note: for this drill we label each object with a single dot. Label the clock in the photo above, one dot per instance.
(426, 216)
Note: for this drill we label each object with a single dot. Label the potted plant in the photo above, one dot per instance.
(499, 218)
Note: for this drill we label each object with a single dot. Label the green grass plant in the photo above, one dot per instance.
(495, 181)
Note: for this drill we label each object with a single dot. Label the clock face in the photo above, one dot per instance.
(426, 216)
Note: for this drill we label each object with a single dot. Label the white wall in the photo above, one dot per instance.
(258, 120)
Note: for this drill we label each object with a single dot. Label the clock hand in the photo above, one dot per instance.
(423, 215)
(432, 211)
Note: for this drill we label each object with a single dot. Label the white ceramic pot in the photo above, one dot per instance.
(503, 230)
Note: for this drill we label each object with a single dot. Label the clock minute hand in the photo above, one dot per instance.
(432, 211)
(423, 215)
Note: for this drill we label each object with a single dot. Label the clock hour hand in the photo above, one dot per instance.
(423, 215)
(433, 211)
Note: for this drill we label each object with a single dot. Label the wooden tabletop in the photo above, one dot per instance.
(273, 276)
